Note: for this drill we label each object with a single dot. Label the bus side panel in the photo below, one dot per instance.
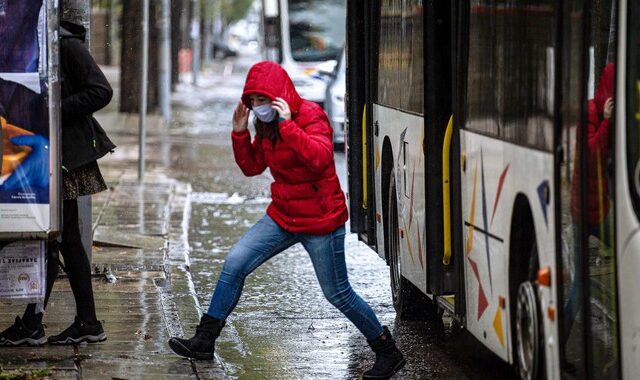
(404, 133)
(494, 173)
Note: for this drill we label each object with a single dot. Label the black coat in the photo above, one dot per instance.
(84, 90)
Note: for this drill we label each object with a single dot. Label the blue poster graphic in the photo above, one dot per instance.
(24, 171)
(19, 52)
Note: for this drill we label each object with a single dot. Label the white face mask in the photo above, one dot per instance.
(265, 113)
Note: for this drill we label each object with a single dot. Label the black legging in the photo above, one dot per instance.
(76, 265)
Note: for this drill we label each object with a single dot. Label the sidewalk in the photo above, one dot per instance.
(142, 285)
(142, 294)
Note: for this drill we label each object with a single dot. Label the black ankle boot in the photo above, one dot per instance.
(389, 359)
(202, 345)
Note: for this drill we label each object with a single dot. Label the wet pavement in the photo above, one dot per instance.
(160, 245)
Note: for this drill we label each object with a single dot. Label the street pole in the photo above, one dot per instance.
(79, 12)
(164, 76)
(208, 27)
(113, 33)
(143, 88)
(195, 38)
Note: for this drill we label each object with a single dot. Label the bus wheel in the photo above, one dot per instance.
(527, 330)
(409, 301)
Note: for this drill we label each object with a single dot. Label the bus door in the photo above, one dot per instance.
(588, 316)
(360, 157)
(441, 151)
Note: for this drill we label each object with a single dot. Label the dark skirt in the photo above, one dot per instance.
(84, 180)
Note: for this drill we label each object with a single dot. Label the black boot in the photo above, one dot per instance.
(202, 345)
(389, 359)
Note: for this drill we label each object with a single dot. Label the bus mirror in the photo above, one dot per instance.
(327, 68)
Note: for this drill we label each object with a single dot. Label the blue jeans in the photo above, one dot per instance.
(265, 240)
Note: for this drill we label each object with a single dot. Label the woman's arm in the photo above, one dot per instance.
(92, 91)
(312, 141)
(312, 144)
(249, 157)
(598, 131)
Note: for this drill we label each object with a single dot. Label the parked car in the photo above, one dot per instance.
(334, 102)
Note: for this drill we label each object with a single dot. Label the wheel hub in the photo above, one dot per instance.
(527, 330)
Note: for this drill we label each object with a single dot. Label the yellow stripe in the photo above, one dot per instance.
(365, 194)
(446, 192)
(497, 326)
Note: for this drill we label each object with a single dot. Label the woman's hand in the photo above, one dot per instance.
(608, 108)
(281, 106)
(240, 118)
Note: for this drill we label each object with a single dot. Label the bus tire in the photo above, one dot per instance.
(410, 303)
(529, 328)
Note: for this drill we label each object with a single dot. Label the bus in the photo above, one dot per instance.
(494, 163)
(306, 37)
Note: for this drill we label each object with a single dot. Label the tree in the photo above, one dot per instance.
(130, 57)
(234, 10)
(180, 17)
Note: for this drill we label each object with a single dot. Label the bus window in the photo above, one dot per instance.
(512, 58)
(589, 329)
(400, 62)
(598, 235)
(314, 38)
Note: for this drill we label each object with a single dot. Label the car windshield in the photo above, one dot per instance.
(316, 29)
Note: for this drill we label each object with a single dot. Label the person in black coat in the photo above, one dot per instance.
(84, 90)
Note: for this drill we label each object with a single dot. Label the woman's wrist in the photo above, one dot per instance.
(240, 133)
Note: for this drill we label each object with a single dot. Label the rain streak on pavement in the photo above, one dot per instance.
(283, 328)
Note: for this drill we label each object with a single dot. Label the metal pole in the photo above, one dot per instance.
(208, 23)
(164, 76)
(113, 33)
(195, 38)
(143, 88)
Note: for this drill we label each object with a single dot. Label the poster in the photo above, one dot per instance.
(22, 270)
(25, 175)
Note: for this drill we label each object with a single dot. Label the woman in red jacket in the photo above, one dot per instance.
(598, 133)
(598, 129)
(294, 140)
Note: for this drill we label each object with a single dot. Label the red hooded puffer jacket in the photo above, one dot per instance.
(598, 135)
(306, 195)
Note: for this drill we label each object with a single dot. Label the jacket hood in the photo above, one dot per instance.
(604, 90)
(271, 80)
(71, 30)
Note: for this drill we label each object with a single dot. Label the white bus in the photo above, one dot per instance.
(306, 37)
(491, 171)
